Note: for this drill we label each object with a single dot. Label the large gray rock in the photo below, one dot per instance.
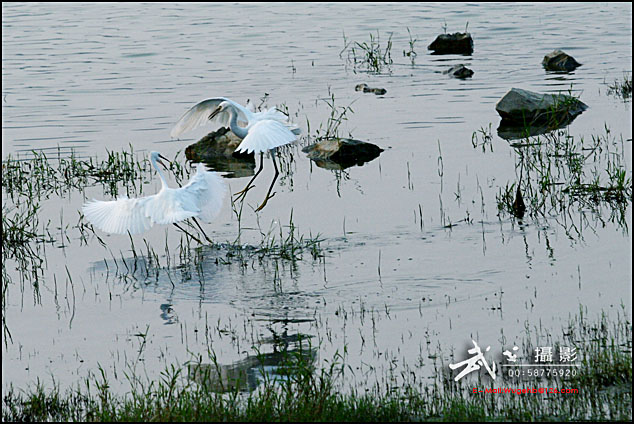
(340, 153)
(523, 107)
(459, 42)
(559, 61)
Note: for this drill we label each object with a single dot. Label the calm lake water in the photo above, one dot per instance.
(392, 289)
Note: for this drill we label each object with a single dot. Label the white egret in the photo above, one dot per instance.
(201, 197)
(262, 131)
(200, 114)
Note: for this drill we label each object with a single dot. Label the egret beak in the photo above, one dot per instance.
(160, 156)
(214, 113)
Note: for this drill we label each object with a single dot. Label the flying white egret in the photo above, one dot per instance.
(260, 131)
(202, 196)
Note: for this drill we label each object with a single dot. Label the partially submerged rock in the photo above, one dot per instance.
(459, 42)
(557, 60)
(220, 143)
(367, 89)
(523, 107)
(217, 150)
(459, 71)
(340, 153)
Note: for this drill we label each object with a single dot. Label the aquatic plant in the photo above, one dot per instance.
(483, 138)
(37, 177)
(337, 115)
(300, 391)
(372, 56)
(622, 89)
(410, 53)
(558, 171)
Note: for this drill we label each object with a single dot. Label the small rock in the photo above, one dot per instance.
(340, 153)
(366, 89)
(557, 60)
(459, 42)
(459, 71)
(523, 107)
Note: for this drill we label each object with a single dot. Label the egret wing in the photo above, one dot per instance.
(119, 216)
(201, 197)
(199, 115)
(208, 191)
(265, 135)
(276, 115)
(168, 207)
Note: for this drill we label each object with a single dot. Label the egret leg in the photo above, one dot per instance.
(185, 231)
(202, 231)
(268, 194)
(243, 192)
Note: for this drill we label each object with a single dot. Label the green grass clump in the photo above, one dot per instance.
(371, 55)
(303, 393)
(622, 89)
(41, 176)
(560, 172)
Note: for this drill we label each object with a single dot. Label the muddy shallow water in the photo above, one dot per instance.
(417, 258)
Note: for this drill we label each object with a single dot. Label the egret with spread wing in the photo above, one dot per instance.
(201, 197)
(259, 131)
(201, 114)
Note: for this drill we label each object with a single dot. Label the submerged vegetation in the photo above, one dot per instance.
(37, 177)
(411, 53)
(337, 115)
(622, 89)
(299, 391)
(370, 55)
(557, 171)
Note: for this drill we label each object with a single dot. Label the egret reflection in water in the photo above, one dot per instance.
(245, 375)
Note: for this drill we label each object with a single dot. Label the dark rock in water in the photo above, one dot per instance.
(220, 143)
(366, 89)
(217, 150)
(341, 153)
(459, 71)
(557, 60)
(459, 42)
(526, 108)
